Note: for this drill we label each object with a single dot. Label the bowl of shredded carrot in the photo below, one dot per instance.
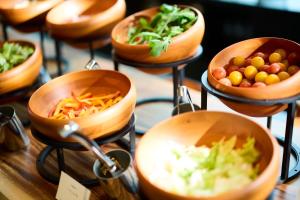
(100, 101)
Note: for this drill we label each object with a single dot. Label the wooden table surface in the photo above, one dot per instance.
(19, 178)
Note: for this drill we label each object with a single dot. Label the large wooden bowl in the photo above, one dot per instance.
(283, 89)
(85, 18)
(23, 74)
(97, 82)
(203, 128)
(20, 11)
(181, 47)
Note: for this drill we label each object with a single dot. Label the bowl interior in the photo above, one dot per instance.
(200, 128)
(78, 10)
(98, 82)
(120, 32)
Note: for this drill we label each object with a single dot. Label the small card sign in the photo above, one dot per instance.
(69, 188)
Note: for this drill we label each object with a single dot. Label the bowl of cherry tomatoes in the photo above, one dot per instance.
(260, 69)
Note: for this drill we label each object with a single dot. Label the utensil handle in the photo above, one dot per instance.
(92, 65)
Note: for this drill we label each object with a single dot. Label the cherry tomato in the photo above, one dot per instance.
(238, 61)
(283, 75)
(225, 81)
(250, 72)
(245, 83)
(293, 58)
(293, 69)
(272, 79)
(235, 77)
(275, 57)
(261, 76)
(274, 68)
(219, 73)
(282, 52)
(259, 84)
(257, 61)
(232, 68)
(262, 55)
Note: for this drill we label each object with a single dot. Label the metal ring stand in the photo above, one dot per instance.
(289, 148)
(177, 74)
(59, 146)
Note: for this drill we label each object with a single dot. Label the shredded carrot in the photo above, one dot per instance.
(83, 105)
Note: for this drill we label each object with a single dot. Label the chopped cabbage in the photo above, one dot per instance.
(203, 171)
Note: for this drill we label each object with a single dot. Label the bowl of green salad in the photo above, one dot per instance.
(20, 63)
(207, 155)
(159, 35)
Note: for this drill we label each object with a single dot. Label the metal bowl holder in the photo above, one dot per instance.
(289, 148)
(59, 146)
(177, 75)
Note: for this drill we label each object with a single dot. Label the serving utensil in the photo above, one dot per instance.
(12, 132)
(114, 169)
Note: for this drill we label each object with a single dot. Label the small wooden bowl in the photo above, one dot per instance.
(203, 128)
(284, 89)
(18, 12)
(182, 46)
(85, 18)
(24, 74)
(97, 82)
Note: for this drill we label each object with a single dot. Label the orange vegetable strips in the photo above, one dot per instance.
(83, 105)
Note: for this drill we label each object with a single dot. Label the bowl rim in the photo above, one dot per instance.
(91, 116)
(250, 89)
(82, 21)
(22, 66)
(130, 18)
(245, 189)
(43, 5)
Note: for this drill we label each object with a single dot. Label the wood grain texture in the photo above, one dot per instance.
(23, 74)
(88, 18)
(182, 46)
(247, 48)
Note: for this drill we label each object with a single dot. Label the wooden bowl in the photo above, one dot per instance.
(95, 81)
(24, 74)
(182, 46)
(85, 18)
(283, 89)
(18, 12)
(203, 128)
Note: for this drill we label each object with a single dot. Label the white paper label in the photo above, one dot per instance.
(70, 189)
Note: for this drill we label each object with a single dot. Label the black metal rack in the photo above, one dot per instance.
(59, 147)
(289, 148)
(177, 74)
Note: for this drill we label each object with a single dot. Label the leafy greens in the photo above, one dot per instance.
(169, 22)
(203, 171)
(12, 54)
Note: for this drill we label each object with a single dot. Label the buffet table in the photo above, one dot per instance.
(19, 178)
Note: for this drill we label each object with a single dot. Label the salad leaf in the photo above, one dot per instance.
(12, 54)
(169, 22)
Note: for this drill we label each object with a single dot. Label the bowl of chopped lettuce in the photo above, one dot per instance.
(207, 155)
(20, 63)
(159, 35)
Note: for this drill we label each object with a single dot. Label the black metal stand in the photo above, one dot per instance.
(4, 31)
(59, 146)
(289, 148)
(177, 74)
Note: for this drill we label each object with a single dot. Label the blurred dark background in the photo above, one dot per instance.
(230, 21)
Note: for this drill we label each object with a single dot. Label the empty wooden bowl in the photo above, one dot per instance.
(98, 82)
(24, 74)
(203, 128)
(182, 46)
(85, 18)
(17, 12)
(283, 89)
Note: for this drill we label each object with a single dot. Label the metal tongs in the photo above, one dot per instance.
(72, 130)
(184, 102)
